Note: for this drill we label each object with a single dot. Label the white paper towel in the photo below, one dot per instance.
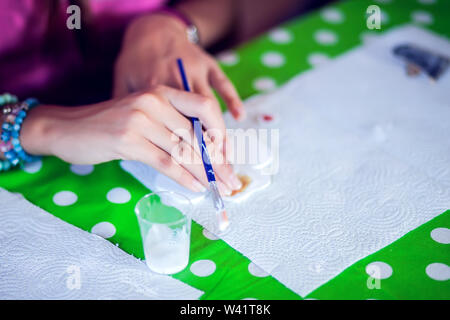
(363, 160)
(43, 257)
(367, 92)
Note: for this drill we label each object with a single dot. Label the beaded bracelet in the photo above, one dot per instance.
(14, 113)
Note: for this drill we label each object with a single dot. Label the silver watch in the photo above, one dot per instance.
(192, 34)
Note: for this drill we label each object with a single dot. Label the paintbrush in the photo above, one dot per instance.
(219, 206)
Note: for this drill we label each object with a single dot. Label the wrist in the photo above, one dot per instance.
(14, 113)
(38, 130)
(191, 30)
(159, 26)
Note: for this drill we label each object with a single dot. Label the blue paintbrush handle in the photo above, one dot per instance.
(198, 131)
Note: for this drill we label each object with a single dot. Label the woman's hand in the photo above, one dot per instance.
(148, 57)
(147, 126)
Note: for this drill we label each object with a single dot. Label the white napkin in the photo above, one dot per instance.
(363, 160)
(42, 257)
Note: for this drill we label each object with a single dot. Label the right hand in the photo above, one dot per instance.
(149, 126)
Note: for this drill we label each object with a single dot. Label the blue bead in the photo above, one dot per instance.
(9, 154)
(5, 137)
(18, 148)
(14, 161)
(22, 154)
(22, 114)
(15, 134)
(6, 165)
(15, 142)
(6, 126)
(16, 127)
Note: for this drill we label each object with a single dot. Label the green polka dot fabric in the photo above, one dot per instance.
(101, 198)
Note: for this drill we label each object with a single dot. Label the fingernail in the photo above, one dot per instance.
(241, 115)
(235, 182)
(198, 186)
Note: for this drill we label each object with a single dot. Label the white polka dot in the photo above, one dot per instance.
(441, 235)
(422, 17)
(203, 268)
(33, 167)
(379, 270)
(264, 84)
(118, 195)
(228, 58)
(65, 198)
(273, 59)
(249, 299)
(325, 37)
(332, 15)
(256, 271)
(104, 229)
(427, 1)
(280, 35)
(81, 170)
(318, 59)
(209, 235)
(438, 271)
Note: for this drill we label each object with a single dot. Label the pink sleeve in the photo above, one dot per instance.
(110, 17)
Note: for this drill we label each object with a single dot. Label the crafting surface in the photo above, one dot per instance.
(101, 198)
(42, 257)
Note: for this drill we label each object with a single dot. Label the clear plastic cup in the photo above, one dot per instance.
(165, 223)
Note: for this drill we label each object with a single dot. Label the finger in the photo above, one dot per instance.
(227, 91)
(146, 152)
(180, 151)
(216, 136)
(194, 105)
(171, 118)
(165, 140)
(203, 88)
(224, 171)
(215, 143)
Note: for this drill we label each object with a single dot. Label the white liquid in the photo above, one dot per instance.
(165, 251)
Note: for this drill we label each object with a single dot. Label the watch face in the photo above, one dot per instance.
(192, 34)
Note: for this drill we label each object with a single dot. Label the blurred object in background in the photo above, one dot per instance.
(253, 22)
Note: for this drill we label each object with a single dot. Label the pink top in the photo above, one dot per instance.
(40, 56)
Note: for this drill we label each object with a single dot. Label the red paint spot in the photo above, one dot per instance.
(267, 117)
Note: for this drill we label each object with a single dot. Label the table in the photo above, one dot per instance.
(101, 198)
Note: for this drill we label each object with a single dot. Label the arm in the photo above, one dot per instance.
(241, 18)
(214, 19)
(149, 126)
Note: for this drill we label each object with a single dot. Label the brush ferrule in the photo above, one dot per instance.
(217, 199)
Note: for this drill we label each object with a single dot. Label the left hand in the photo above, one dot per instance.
(148, 57)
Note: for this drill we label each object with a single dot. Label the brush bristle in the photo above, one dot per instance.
(223, 221)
